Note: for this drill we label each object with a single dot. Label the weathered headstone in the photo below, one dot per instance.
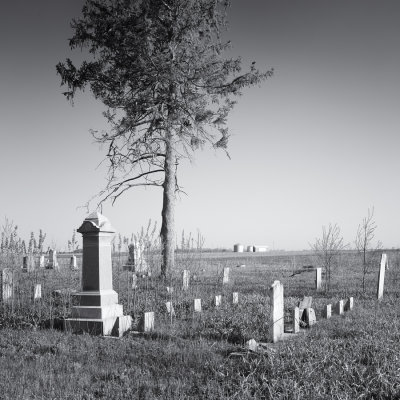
(225, 277)
(170, 308)
(327, 312)
(130, 265)
(148, 322)
(37, 291)
(185, 279)
(42, 263)
(318, 279)
(141, 265)
(303, 304)
(98, 311)
(277, 312)
(381, 277)
(73, 263)
(170, 289)
(339, 307)
(52, 262)
(235, 298)
(296, 320)
(134, 281)
(309, 317)
(349, 304)
(197, 305)
(218, 300)
(7, 284)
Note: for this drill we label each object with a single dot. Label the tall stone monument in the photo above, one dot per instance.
(277, 312)
(98, 311)
(381, 276)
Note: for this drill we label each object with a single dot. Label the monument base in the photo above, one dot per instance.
(98, 313)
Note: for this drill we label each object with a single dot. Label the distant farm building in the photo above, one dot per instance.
(238, 248)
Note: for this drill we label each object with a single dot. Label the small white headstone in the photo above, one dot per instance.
(170, 289)
(170, 308)
(37, 291)
(318, 279)
(225, 277)
(296, 320)
(235, 298)
(381, 277)
(185, 279)
(72, 263)
(277, 312)
(41, 262)
(328, 311)
(251, 345)
(197, 305)
(148, 321)
(218, 299)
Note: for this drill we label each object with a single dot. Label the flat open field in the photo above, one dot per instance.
(354, 356)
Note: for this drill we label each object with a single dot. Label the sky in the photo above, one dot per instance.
(317, 143)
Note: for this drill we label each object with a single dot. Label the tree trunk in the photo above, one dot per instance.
(168, 210)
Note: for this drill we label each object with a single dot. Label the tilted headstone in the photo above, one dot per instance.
(318, 279)
(349, 304)
(235, 298)
(185, 279)
(277, 312)
(309, 317)
(148, 322)
(296, 320)
(327, 312)
(7, 284)
(225, 277)
(381, 277)
(305, 303)
(37, 291)
(197, 305)
(73, 263)
(52, 262)
(339, 307)
(98, 311)
(218, 300)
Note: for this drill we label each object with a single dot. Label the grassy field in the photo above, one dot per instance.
(354, 356)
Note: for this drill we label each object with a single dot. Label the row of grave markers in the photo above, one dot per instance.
(29, 263)
(303, 312)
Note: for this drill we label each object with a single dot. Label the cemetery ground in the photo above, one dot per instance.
(203, 355)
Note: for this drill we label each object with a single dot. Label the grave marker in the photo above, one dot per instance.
(339, 307)
(185, 279)
(225, 277)
(349, 304)
(170, 308)
(218, 300)
(7, 284)
(37, 291)
(296, 320)
(98, 311)
(197, 305)
(381, 277)
(41, 261)
(309, 317)
(52, 262)
(134, 282)
(130, 265)
(235, 298)
(328, 311)
(318, 279)
(277, 312)
(148, 322)
(73, 263)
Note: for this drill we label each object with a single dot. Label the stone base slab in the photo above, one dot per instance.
(113, 326)
(94, 312)
(96, 299)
